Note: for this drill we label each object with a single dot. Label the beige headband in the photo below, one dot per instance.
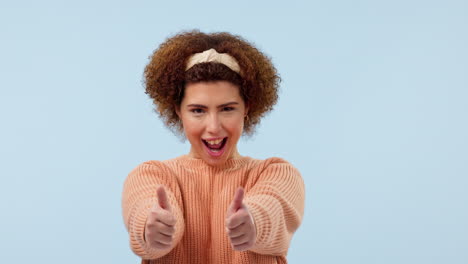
(212, 55)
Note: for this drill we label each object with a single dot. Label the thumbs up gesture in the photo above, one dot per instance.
(160, 224)
(240, 226)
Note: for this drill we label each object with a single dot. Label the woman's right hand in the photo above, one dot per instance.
(160, 224)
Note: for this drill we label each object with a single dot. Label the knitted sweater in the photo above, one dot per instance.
(200, 195)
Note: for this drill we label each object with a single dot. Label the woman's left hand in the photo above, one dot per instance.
(240, 226)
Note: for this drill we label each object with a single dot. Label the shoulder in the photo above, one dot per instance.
(151, 169)
(154, 165)
(276, 174)
(146, 176)
(150, 165)
(276, 163)
(277, 169)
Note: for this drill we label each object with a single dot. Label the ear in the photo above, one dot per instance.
(177, 110)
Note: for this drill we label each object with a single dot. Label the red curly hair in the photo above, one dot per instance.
(165, 76)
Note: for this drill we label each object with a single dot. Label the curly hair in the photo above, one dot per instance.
(165, 76)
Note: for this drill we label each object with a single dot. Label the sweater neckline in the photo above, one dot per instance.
(230, 163)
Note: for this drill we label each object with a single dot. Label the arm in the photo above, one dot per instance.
(138, 198)
(276, 202)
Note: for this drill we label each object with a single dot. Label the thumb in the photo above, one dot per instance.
(162, 198)
(237, 201)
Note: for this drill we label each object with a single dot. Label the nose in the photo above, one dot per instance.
(213, 125)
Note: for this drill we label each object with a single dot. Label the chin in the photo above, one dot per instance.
(215, 161)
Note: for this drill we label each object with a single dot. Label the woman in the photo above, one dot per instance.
(212, 205)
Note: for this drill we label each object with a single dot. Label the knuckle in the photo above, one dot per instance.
(162, 214)
(154, 243)
(158, 226)
(164, 229)
(151, 244)
(167, 218)
(149, 234)
(160, 245)
(171, 230)
(157, 237)
(234, 234)
(172, 219)
(168, 243)
(163, 225)
(155, 210)
(243, 214)
(167, 238)
(150, 224)
(154, 215)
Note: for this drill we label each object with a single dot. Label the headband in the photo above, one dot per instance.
(212, 55)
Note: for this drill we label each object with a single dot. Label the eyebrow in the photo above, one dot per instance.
(219, 106)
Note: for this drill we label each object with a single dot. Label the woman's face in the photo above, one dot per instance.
(212, 115)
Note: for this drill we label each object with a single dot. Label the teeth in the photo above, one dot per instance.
(213, 142)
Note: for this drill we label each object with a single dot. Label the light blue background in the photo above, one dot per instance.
(373, 111)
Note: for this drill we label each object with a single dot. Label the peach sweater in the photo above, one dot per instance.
(199, 196)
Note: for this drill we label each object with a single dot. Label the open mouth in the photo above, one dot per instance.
(215, 148)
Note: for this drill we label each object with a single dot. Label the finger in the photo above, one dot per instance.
(159, 245)
(236, 220)
(164, 229)
(166, 218)
(237, 201)
(242, 247)
(163, 239)
(236, 241)
(162, 198)
(235, 232)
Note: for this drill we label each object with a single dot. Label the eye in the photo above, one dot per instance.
(228, 108)
(197, 111)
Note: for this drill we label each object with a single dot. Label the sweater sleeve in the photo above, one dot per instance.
(139, 196)
(276, 202)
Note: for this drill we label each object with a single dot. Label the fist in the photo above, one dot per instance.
(240, 226)
(160, 224)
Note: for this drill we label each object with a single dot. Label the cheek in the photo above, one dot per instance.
(236, 126)
(192, 128)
